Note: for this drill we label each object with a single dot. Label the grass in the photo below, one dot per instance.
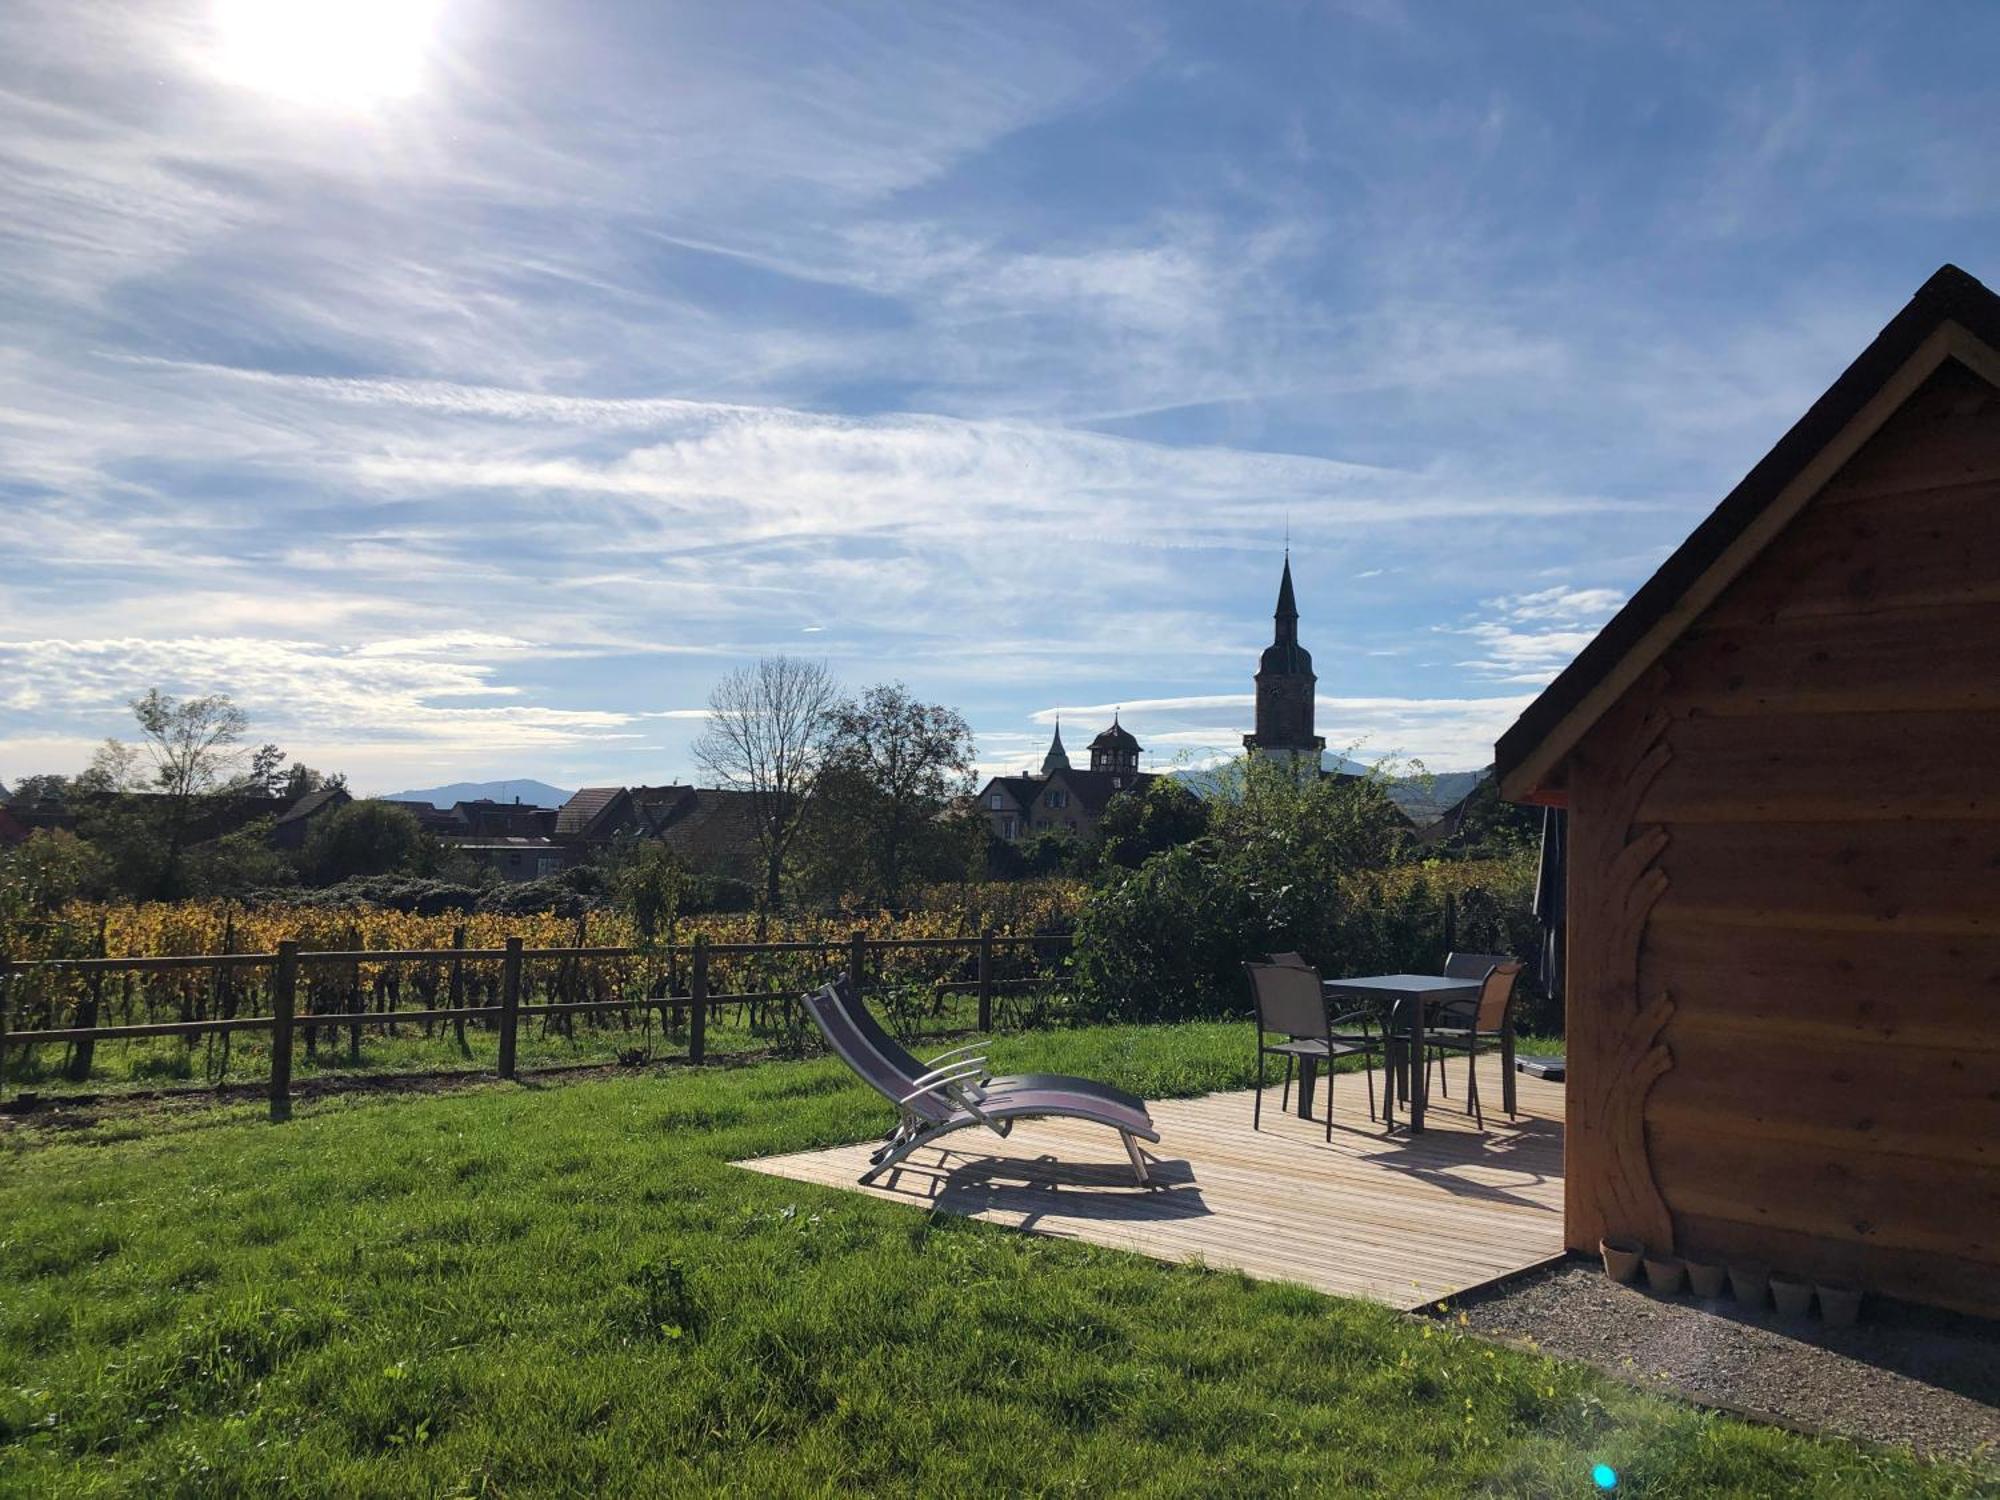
(569, 1291)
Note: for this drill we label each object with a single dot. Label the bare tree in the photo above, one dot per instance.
(767, 734)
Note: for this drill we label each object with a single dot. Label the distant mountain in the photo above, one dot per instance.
(530, 793)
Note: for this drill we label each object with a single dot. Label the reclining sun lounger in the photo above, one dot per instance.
(941, 1100)
(900, 1058)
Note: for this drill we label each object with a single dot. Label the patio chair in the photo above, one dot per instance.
(900, 1058)
(1460, 966)
(1462, 1025)
(949, 1098)
(1290, 1003)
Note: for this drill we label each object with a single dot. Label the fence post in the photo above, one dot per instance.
(87, 1015)
(510, 1005)
(857, 959)
(1450, 922)
(986, 979)
(698, 1002)
(284, 993)
(456, 995)
(6, 1001)
(355, 1004)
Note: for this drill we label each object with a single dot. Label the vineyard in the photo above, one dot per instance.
(597, 1000)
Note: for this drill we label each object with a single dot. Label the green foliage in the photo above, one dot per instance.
(240, 861)
(1138, 825)
(479, 1294)
(362, 838)
(49, 869)
(880, 821)
(649, 882)
(1295, 863)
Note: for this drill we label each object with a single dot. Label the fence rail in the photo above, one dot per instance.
(287, 964)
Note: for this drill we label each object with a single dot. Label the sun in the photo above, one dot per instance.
(342, 54)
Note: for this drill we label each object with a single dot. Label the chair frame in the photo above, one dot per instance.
(1497, 988)
(952, 1097)
(1321, 1043)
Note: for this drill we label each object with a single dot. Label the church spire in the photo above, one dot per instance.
(1286, 687)
(1058, 758)
(1287, 614)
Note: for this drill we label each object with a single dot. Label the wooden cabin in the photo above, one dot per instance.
(1781, 764)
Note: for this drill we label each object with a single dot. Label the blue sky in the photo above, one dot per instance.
(465, 385)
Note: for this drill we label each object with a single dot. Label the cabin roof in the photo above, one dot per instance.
(1952, 315)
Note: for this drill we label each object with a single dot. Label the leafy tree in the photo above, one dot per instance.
(42, 787)
(1272, 872)
(185, 755)
(238, 862)
(363, 838)
(767, 735)
(1139, 824)
(50, 868)
(1053, 851)
(649, 883)
(894, 768)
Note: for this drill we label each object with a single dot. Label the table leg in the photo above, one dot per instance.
(1418, 1087)
(1308, 1074)
(1507, 1066)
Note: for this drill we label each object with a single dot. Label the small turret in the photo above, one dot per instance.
(1058, 758)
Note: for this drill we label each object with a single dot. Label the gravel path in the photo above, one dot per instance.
(1906, 1375)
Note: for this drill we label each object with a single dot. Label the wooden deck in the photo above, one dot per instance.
(1389, 1218)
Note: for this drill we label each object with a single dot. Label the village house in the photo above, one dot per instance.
(1062, 799)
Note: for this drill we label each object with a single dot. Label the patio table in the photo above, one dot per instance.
(1421, 991)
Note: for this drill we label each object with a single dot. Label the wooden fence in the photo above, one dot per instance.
(285, 968)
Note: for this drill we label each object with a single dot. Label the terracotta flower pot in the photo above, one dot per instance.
(1793, 1297)
(1751, 1284)
(1663, 1274)
(1621, 1257)
(1839, 1304)
(1706, 1281)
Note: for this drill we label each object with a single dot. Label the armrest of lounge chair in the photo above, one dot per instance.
(968, 1047)
(951, 1072)
(944, 1080)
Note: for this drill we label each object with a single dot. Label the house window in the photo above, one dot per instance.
(999, 799)
(1007, 828)
(547, 865)
(513, 859)
(1058, 798)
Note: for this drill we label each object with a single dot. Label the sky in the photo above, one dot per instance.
(464, 386)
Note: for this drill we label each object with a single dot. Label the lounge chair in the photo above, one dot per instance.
(940, 1100)
(906, 1063)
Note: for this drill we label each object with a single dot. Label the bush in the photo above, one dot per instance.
(422, 898)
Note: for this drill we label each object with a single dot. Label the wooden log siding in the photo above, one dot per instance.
(1829, 929)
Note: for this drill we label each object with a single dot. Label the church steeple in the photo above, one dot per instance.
(1286, 686)
(1058, 758)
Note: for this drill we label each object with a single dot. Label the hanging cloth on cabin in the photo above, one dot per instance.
(1550, 883)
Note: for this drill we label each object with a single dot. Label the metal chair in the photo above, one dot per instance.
(1460, 966)
(1290, 1003)
(1485, 1018)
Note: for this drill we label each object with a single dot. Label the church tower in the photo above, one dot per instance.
(1058, 758)
(1285, 684)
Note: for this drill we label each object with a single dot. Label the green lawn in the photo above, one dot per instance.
(567, 1290)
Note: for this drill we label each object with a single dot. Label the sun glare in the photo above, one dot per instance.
(343, 54)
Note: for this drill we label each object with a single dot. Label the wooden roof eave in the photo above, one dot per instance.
(1537, 777)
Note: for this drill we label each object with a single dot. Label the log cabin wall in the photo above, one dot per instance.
(1785, 892)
